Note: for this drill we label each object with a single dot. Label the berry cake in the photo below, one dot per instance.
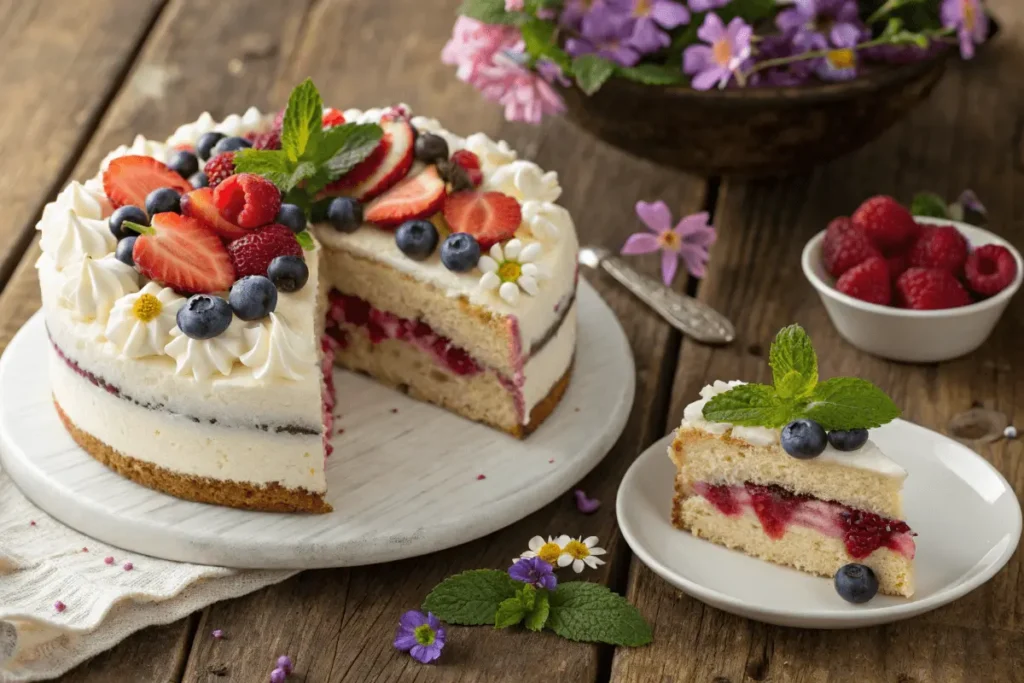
(817, 494)
(198, 291)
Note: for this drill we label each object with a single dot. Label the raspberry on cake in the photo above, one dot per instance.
(787, 473)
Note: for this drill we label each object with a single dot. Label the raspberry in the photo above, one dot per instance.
(865, 532)
(269, 140)
(897, 265)
(470, 162)
(990, 269)
(943, 248)
(247, 200)
(845, 246)
(888, 225)
(219, 167)
(868, 282)
(252, 254)
(926, 289)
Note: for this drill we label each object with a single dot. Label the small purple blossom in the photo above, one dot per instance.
(534, 571)
(820, 24)
(584, 504)
(607, 34)
(689, 240)
(969, 200)
(652, 18)
(421, 635)
(837, 65)
(551, 72)
(574, 11)
(969, 19)
(278, 676)
(217, 634)
(728, 47)
(285, 662)
(705, 5)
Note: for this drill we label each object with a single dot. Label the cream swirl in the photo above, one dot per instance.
(546, 221)
(525, 181)
(189, 133)
(491, 154)
(202, 357)
(252, 121)
(276, 351)
(140, 146)
(425, 125)
(93, 285)
(68, 238)
(140, 324)
(84, 200)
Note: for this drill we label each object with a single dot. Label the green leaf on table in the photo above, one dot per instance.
(929, 204)
(471, 598)
(273, 165)
(487, 11)
(849, 403)
(792, 351)
(591, 72)
(590, 612)
(653, 74)
(750, 405)
(302, 121)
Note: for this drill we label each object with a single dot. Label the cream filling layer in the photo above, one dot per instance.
(547, 366)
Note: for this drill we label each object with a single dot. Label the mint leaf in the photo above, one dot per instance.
(792, 351)
(471, 598)
(345, 146)
(538, 616)
(591, 72)
(539, 39)
(487, 11)
(849, 403)
(510, 612)
(653, 74)
(793, 385)
(589, 612)
(527, 595)
(929, 204)
(305, 240)
(302, 120)
(750, 405)
(271, 164)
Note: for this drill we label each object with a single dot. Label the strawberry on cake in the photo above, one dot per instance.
(787, 473)
(197, 293)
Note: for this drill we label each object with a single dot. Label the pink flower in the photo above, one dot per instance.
(514, 5)
(474, 45)
(689, 240)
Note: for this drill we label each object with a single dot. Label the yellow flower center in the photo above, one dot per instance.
(549, 552)
(842, 59)
(509, 271)
(424, 634)
(670, 240)
(642, 8)
(721, 52)
(969, 17)
(577, 549)
(147, 307)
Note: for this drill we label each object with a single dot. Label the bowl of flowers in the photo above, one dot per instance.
(752, 87)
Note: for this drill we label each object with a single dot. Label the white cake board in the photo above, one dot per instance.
(402, 483)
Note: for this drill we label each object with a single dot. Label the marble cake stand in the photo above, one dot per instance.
(404, 478)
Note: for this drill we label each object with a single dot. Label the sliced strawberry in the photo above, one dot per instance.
(392, 167)
(129, 179)
(184, 254)
(363, 170)
(417, 196)
(332, 117)
(490, 217)
(199, 204)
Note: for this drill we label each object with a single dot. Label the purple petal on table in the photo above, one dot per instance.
(584, 504)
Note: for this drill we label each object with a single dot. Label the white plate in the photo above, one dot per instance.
(402, 483)
(966, 515)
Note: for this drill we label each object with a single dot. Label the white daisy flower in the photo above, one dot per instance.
(549, 550)
(512, 269)
(581, 553)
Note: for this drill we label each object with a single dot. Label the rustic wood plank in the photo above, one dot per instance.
(156, 653)
(964, 137)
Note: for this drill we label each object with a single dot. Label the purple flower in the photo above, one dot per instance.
(534, 571)
(651, 17)
(606, 33)
(421, 635)
(820, 24)
(584, 503)
(551, 72)
(788, 75)
(574, 11)
(705, 5)
(970, 21)
(689, 240)
(726, 50)
(837, 65)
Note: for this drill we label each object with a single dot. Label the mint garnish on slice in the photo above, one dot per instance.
(837, 403)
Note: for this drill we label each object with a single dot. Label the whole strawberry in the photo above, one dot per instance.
(868, 281)
(990, 269)
(888, 225)
(942, 247)
(252, 254)
(927, 289)
(219, 168)
(845, 246)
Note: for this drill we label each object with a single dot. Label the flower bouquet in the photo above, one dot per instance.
(717, 86)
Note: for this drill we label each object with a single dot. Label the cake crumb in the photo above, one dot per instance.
(59, 606)
(128, 566)
(217, 634)
(108, 560)
(481, 476)
(32, 522)
(341, 430)
(551, 461)
(85, 550)
(394, 410)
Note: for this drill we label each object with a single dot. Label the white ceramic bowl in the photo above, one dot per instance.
(906, 335)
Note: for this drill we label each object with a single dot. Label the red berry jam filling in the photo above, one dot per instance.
(381, 326)
(777, 508)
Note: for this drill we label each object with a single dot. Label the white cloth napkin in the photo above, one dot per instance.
(43, 562)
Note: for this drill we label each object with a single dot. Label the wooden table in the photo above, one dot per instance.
(78, 78)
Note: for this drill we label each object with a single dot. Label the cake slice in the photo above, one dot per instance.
(738, 485)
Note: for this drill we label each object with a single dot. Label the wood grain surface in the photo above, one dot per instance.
(172, 60)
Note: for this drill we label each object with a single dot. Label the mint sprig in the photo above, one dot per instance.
(471, 598)
(837, 403)
(590, 612)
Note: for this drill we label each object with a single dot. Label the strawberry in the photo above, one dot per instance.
(129, 179)
(930, 289)
(942, 247)
(415, 197)
(990, 269)
(184, 254)
(380, 171)
(868, 281)
(470, 162)
(888, 225)
(252, 254)
(490, 217)
(845, 246)
(247, 200)
(332, 117)
(363, 170)
(219, 167)
(269, 140)
(199, 204)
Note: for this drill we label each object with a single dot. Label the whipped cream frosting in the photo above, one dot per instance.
(84, 200)
(140, 324)
(202, 357)
(92, 286)
(69, 237)
(524, 180)
(277, 351)
(141, 146)
(252, 121)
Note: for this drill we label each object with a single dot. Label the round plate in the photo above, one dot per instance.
(403, 479)
(966, 515)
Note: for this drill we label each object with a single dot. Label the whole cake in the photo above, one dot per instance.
(787, 473)
(198, 291)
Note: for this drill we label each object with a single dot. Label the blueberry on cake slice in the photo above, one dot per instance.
(788, 474)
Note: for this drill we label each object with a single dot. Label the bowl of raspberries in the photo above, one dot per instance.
(908, 288)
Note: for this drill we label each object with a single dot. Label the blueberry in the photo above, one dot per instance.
(345, 214)
(292, 217)
(288, 273)
(848, 439)
(416, 238)
(232, 144)
(198, 180)
(856, 583)
(163, 200)
(253, 297)
(803, 439)
(204, 146)
(184, 163)
(129, 213)
(460, 252)
(123, 253)
(430, 148)
(318, 212)
(204, 316)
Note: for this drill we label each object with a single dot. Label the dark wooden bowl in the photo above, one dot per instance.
(755, 131)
